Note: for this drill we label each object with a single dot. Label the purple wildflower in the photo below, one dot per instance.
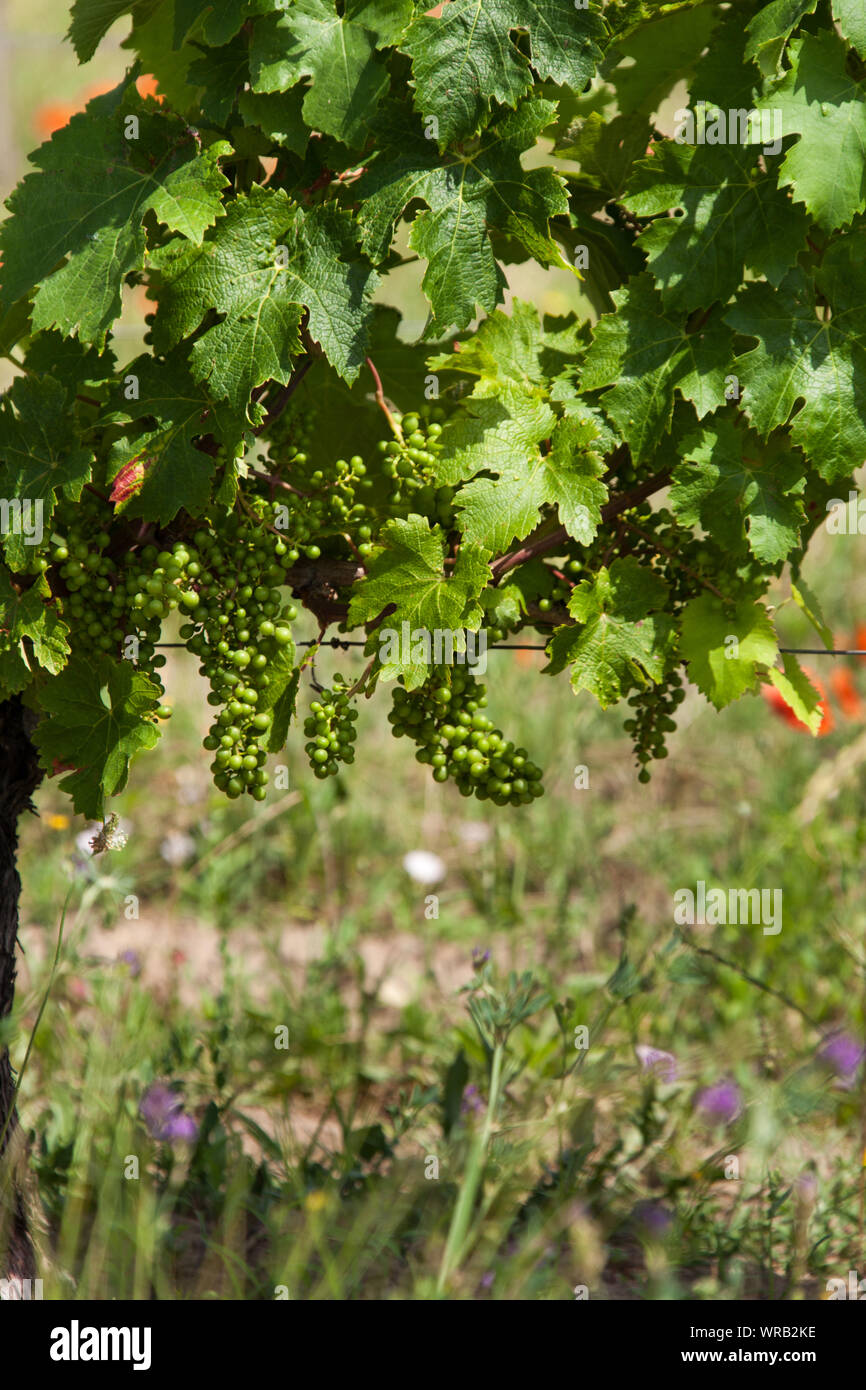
(133, 960)
(181, 1127)
(162, 1112)
(654, 1219)
(720, 1102)
(479, 957)
(843, 1055)
(653, 1059)
(471, 1102)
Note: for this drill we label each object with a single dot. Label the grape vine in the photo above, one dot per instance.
(631, 483)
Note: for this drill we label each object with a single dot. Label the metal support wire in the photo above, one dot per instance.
(343, 645)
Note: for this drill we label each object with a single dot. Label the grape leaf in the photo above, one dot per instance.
(725, 644)
(798, 692)
(151, 42)
(408, 576)
(642, 67)
(820, 101)
(498, 433)
(810, 606)
(770, 29)
(515, 347)
(495, 511)
(96, 719)
(644, 355)
(468, 196)
(279, 116)
(264, 264)
(27, 615)
(40, 455)
(336, 52)
(464, 58)
(284, 709)
(802, 355)
(220, 74)
(176, 474)
(732, 220)
(604, 152)
(727, 477)
(622, 639)
(851, 18)
(68, 361)
(218, 22)
(89, 201)
(91, 21)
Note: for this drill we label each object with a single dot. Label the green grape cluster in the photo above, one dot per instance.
(445, 718)
(330, 730)
(652, 720)
(345, 494)
(410, 466)
(109, 601)
(238, 625)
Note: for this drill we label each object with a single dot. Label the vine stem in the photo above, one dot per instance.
(285, 395)
(383, 404)
(460, 1221)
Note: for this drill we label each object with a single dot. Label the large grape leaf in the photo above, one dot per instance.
(463, 57)
(27, 616)
(822, 102)
(99, 714)
(623, 639)
(88, 202)
(335, 51)
(725, 645)
(734, 218)
(644, 355)
(729, 479)
(265, 263)
(512, 347)
(468, 196)
(40, 455)
(409, 576)
(498, 433)
(804, 355)
(171, 411)
(495, 511)
(770, 29)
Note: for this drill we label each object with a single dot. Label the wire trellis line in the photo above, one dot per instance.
(338, 642)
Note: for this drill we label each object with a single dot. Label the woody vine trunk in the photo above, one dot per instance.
(20, 775)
